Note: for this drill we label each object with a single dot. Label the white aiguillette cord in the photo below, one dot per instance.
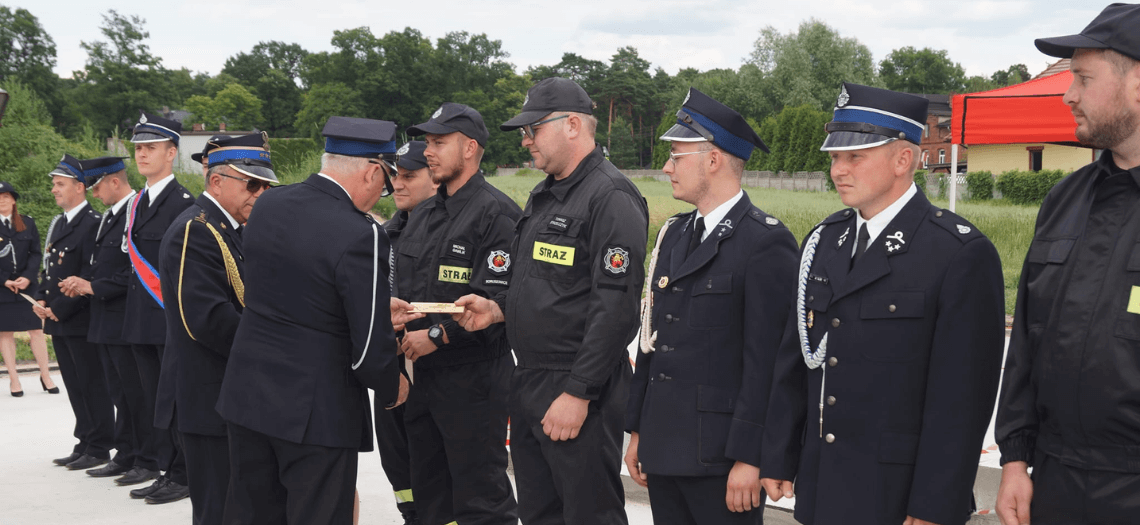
(648, 336)
(814, 359)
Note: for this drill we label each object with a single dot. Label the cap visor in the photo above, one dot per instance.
(143, 138)
(1064, 46)
(196, 157)
(62, 173)
(679, 133)
(257, 172)
(524, 118)
(429, 127)
(850, 140)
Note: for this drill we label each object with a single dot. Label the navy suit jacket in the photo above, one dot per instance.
(110, 274)
(145, 322)
(69, 253)
(22, 261)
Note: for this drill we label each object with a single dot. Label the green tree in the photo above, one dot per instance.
(794, 135)
(809, 65)
(272, 71)
(28, 55)
(497, 105)
(234, 105)
(324, 101)
(1015, 74)
(923, 70)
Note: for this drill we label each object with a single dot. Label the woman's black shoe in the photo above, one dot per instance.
(52, 390)
(18, 394)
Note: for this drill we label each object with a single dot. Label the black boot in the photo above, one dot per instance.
(408, 511)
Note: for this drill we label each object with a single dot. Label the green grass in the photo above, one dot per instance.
(1009, 226)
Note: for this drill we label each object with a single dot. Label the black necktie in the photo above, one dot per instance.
(861, 244)
(7, 224)
(698, 231)
(144, 203)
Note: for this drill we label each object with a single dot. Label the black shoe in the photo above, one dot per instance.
(52, 390)
(85, 462)
(64, 461)
(110, 469)
(18, 394)
(149, 489)
(169, 492)
(137, 475)
(408, 512)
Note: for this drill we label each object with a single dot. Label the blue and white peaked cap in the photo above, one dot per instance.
(95, 169)
(153, 128)
(866, 117)
(247, 154)
(701, 118)
(364, 137)
(69, 167)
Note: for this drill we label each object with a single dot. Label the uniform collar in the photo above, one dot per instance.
(118, 206)
(455, 203)
(334, 181)
(233, 222)
(153, 191)
(560, 188)
(879, 222)
(72, 213)
(1108, 168)
(715, 217)
(5, 218)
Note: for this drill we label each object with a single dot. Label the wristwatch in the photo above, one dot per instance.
(435, 334)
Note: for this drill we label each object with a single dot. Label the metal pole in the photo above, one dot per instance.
(953, 175)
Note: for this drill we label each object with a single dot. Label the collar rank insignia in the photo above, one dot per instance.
(963, 229)
(843, 238)
(893, 246)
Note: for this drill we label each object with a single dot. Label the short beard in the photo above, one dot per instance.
(1109, 133)
(442, 177)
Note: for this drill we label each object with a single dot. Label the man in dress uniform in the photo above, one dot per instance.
(105, 284)
(458, 243)
(887, 374)
(411, 186)
(1070, 400)
(718, 300)
(201, 269)
(571, 311)
(315, 334)
(149, 215)
(70, 244)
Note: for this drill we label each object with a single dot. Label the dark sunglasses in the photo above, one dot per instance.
(527, 131)
(252, 185)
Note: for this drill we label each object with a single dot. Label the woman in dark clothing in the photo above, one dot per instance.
(19, 261)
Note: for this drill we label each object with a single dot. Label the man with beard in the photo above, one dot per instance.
(1070, 400)
(458, 243)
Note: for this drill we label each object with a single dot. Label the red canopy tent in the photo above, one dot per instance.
(1027, 112)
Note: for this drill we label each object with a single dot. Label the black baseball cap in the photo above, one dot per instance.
(412, 155)
(546, 97)
(451, 118)
(1115, 28)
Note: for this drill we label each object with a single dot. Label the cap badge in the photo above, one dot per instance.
(963, 229)
(844, 98)
(687, 95)
(142, 119)
(526, 99)
(437, 113)
(61, 159)
(403, 149)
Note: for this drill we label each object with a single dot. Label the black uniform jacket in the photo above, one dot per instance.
(579, 253)
(145, 323)
(1070, 387)
(451, 247)
(202, 314)
(699, 400)
(110, 274)
(22, 260)
(915, 335)
(69, 253)
(316, 330)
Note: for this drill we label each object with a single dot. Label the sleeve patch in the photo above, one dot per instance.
(616, 261)
(499, 262)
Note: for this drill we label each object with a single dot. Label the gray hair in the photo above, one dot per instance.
(343, 164)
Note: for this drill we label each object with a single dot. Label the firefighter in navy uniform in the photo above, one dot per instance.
(717, 303)
(314, 336)
(70, 244)
(458, 243)
(106, 284)
(411, 186)
(201, 268)
(571, 311)
(888, 371)
(149, 215)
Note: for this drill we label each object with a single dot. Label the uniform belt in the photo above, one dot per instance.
(545, 360)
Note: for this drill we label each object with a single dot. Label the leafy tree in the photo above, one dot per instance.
(794, 136)
(587, 73)
(272, 71)
(234, 105)
(324, 101)
(923, 70)
(497, 105)
(1015, 74)
(28, 55)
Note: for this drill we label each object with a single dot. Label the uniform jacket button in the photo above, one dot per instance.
(835, 323)
(668, 318)
(660, 377)
(666, 348)
(891, 308)
(676, 289)
(811, 298)
(833, 361)
(830, 438)
(938, 213)
(831, 400)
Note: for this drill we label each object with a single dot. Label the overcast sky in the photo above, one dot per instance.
(982, 35)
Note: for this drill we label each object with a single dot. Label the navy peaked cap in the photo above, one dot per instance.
(866, 117)
(69, 167)
(360, 137)
(210, 144)
(702, 118)
(248, 154)
(451, 118)
(5, 187)
(152, 128)
(95, 169)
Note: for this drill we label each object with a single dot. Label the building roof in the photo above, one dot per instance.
(1057, 67)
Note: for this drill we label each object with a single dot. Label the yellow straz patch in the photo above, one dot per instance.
(454, 274)
(1134, 301)
(554, 254)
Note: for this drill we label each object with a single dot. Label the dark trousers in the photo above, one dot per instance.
(82, 371)
(162, 443)
(208, 474)
(126, 394)
(273, 481)
(457, 420)
(392, 444)
(696, 500)
(576, 482)
(1064, 495)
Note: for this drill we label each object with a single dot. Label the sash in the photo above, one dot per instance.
(146, 273)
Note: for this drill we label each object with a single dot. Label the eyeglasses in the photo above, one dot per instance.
(527, 131)
(673, 156)
(252, 185)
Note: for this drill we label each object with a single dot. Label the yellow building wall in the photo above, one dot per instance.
(998, 158)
